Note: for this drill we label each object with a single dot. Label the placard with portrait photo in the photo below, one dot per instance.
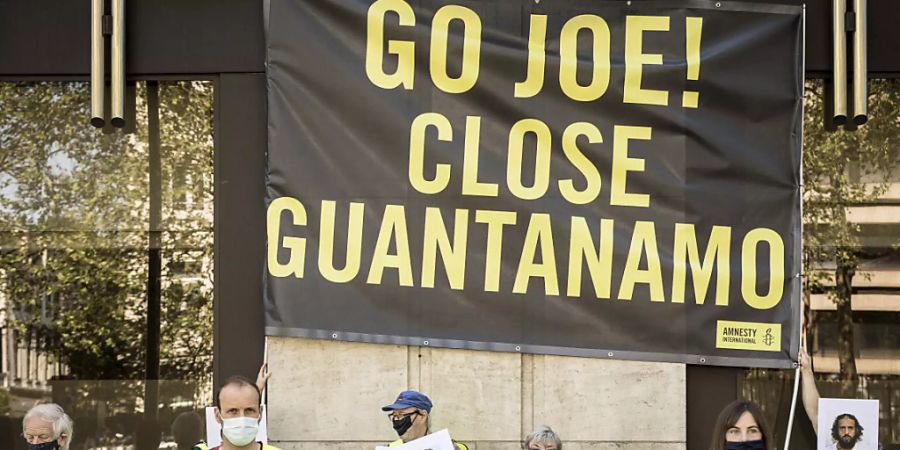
(846, 424)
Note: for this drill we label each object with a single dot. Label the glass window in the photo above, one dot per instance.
(89, 219)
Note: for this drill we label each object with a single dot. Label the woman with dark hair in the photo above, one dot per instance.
(741, 426)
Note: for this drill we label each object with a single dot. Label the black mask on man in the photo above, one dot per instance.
(401, 426)
(746, 445)
(52, 445)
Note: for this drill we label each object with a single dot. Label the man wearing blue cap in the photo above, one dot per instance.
(409, 416)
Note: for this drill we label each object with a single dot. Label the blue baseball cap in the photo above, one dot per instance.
(408, 399)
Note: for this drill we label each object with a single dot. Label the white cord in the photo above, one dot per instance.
(790, 425)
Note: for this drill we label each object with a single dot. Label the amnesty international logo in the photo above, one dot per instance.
(748, 336)
(768, 339)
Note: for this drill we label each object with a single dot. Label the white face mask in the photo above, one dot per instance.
(240, 431)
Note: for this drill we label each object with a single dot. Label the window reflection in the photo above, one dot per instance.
(852, 262)
(74, 249)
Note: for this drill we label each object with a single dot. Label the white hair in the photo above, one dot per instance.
(543, 435)
(54, 414)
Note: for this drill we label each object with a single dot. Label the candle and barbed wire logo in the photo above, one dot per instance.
(768, 339)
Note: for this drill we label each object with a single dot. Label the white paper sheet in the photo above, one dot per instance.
(866, 414)
(439, 440)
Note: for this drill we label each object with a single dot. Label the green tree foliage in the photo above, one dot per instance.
(833, 167)
(74, 218)
(4, 402)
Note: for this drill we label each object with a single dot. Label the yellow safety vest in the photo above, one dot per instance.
(459, 445)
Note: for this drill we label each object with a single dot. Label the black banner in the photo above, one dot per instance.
(606, 179)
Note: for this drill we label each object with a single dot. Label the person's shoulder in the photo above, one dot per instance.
(269, 447)
(460, 445)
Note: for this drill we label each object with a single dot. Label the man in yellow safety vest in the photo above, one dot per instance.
(238, 411)
(409, 416)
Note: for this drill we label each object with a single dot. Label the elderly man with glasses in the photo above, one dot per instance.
(409, 415)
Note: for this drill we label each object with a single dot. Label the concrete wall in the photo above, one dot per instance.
(328, 395)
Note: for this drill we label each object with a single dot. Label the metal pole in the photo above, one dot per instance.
(154, 273)
(839, 67)
(98, 69)
(860, 71)
(118, 63)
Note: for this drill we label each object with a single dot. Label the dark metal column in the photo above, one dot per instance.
(709, 389)
(154, 272)
(240, 111)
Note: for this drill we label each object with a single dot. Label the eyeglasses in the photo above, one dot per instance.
(399, 417)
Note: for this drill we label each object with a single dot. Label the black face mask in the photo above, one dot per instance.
(52, 445)
(746, 445)
(402, 426)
